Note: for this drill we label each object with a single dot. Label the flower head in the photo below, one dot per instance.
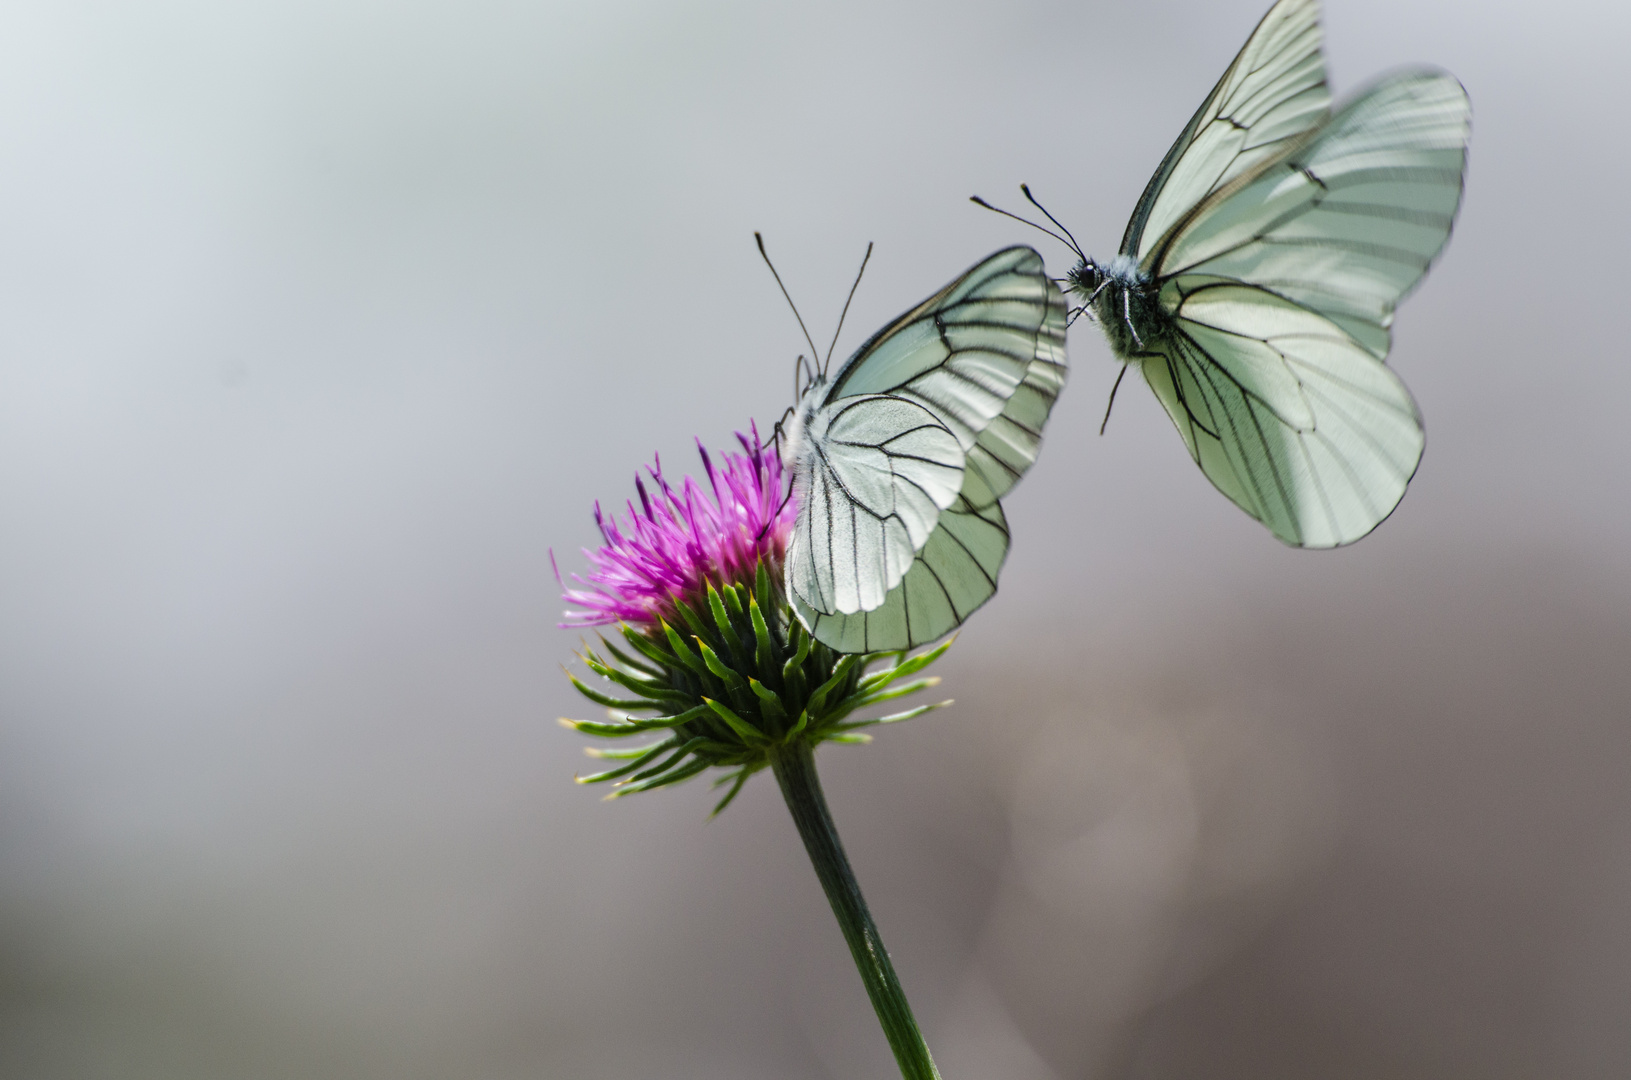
(713, 660)
(666, 552)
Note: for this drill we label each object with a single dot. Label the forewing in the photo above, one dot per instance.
(1286, 414)
(954, 574)
(986, 355)
(1348, 221)
(871, 485)
(1273, 92)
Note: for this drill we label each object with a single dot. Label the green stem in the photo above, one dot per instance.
(794, 767)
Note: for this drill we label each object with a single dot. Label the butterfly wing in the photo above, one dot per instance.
(1006, 449)
(1289, 416)
(1284, 284)
(1348, 221)
(986, 355)
(954, 574)
(874, 476)
(1273, 92)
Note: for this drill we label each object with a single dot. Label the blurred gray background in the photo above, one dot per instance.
(321, 323)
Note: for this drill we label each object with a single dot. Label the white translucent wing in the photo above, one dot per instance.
(1273, 92)
(1285, 412)
(1009, 445)
(954, 574)
(1348, 221)
(873, 478)
(986, 355)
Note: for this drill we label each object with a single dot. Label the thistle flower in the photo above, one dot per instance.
(716, 663)
(672, 547)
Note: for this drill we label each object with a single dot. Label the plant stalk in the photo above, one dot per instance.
(794, 766)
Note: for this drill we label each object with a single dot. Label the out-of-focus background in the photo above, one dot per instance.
(321, 323)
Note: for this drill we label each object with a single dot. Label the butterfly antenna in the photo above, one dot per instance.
(765, 255)
(977, 201)
(1074, 246)
(1025, 221)
(1112, 403)
(847, 300)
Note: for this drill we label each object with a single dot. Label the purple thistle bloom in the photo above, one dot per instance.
(677, 541)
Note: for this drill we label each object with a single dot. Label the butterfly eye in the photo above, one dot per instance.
(1080, 275)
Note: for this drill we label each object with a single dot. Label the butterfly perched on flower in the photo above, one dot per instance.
(899, 457)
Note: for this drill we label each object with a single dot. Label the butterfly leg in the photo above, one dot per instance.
(778, 431)
(1127, 312)
(777, 515)
(1112, 402)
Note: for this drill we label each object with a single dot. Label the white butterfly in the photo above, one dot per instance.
(1258, 276)
(899, 459)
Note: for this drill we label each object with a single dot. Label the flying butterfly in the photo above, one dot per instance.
(1257, 279)
(899, 458)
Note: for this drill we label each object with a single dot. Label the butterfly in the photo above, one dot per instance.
(899, 458)
(1257, 280)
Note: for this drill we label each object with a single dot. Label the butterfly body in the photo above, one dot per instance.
(796, 449)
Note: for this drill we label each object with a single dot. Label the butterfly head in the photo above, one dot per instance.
(1085, 280)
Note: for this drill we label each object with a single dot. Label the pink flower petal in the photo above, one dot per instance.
(666, 552)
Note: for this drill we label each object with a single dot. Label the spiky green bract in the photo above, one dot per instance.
(737, 678)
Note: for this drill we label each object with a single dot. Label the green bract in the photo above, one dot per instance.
(740, 678)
